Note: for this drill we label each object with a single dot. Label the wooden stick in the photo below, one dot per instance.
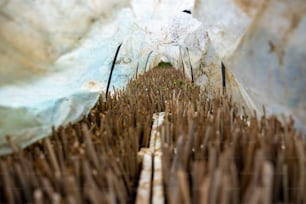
(112, 69)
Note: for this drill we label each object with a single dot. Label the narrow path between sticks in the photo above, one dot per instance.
(150, 188)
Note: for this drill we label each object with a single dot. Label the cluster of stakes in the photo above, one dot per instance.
(212, 152)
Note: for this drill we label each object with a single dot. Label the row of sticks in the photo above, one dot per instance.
(92, 161)
(212, 152)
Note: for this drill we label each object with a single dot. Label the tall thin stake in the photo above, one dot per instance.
(191, 69)
(182, 60)
(223, 78)
(136, 73)
(112, 69)
(148, 59)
